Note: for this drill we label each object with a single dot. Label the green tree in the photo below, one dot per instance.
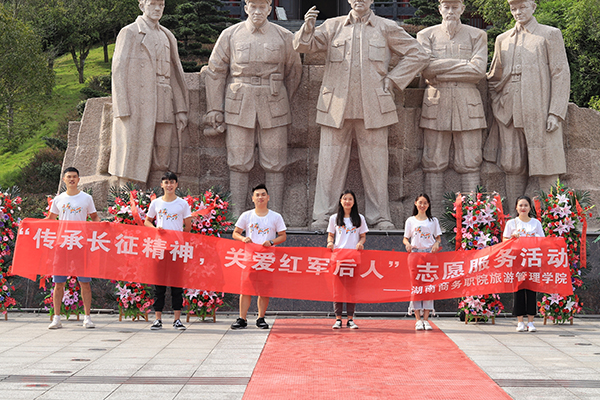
(195, 23)
(115, 14)
(24, 81)
(427, 13)
(582, 38)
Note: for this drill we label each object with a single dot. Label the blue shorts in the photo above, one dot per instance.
(63, 279)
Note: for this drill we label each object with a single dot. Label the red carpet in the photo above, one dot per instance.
(384, 359)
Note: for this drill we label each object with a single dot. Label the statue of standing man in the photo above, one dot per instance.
(149, 96)
(452, 108)
(529, 82)
(252, 74)
(356, 99)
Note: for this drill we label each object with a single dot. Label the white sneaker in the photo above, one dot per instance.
(55, 324)
(338, 324)
(427, 326)
(521, 327)
(530, 327)
(87, 322)
(419, 326)
(350, 324)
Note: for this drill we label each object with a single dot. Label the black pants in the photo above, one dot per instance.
(525, 303)
(159, 298)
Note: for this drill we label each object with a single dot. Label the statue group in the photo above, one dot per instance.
(255, 69)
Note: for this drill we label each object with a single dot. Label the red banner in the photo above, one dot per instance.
(156, 256)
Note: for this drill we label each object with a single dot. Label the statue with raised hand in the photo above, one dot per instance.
(356, 100)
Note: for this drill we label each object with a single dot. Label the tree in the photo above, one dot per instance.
(84, 21)
(196, 22)
(114, 15)
(427, 13)
(24, 81)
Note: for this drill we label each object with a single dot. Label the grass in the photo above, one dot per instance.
(65, 97)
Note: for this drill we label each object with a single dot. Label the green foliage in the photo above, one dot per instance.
(582, 38)
(595, 104)
(24, 81)
(42, 174)
(196, 22)
(427, 13)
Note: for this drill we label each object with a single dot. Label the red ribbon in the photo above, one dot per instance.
(582, 247)
(134, 208)
(538, 209)
(500, 210)
(458, 209)
(203, 212)
(44, 281)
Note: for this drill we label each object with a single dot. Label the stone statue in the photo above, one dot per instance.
(149, 95)
(452, 108)
(252, 74)
(529, 82)
(356, 99)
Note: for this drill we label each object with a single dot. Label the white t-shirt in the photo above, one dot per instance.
(169, 214)
(73, 208)
(261, 229)
(531, 228)
(422, 234)
(346, 237)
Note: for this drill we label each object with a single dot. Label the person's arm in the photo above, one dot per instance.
(406, 242)
(330, 240)
(361, 242)
(187, 224)
(281, 237)
(148, 222)
(436, 246)
(237, 235)
(51, 216)
(94, 216)
(508, 231)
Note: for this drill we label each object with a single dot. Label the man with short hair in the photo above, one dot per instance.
(529, 82)
(149, 97)
(264, 227)
(452, 108)
(356, 100)
(252, 74)
(173, 213)
(72, 205)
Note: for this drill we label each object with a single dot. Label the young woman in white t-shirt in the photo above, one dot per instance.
(347, 230)
(422, 233)
(524, 225)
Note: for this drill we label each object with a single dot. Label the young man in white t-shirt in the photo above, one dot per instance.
(72, 205)
(172, 213)
(262, 226)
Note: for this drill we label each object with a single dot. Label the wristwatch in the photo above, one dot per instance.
(270, 241)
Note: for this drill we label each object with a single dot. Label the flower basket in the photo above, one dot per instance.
(477, 220)
(72, 302)
(9, 223)
(135, 300)
(129, 205)
(562, 213)
(202, 303)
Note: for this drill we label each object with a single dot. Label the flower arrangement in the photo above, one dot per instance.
(129, 205)
(477, 220)
(215, 220)
(211, 218)
(484, 306)
(563, 213)
(10, 202)
(72, 302)
(134, 299)
(201, 302)
(120, 203)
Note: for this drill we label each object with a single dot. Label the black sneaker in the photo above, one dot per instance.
(178, 325)
(156, 325)
(240, 323)
(262, 324)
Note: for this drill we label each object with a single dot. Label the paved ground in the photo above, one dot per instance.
(124, 360)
